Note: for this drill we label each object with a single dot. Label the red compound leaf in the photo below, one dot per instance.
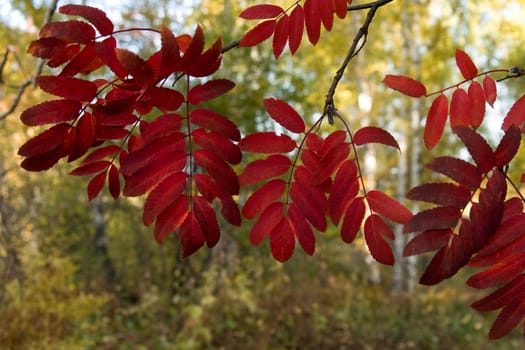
(163, 195)
(466, 66)
(207, 220)
(439, 218)
(284, 114)
(171, 218)
(269, 218)
(405, 85)
(504, 270)
(458, 170)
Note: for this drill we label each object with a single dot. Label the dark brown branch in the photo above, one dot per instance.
(38, 71)
(357, 44)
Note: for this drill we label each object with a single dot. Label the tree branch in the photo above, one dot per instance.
(357, 44)
(38, 70)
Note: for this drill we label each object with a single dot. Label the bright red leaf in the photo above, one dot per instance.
(258, 34)
(263, 197)
(296, 28)
(405, 85)
(269, 218)
(72, 31)
(460, 108)
(302, 229)
(282, 240)
(95, 185)
(262, 11)
(508, 146)
(284, 114)
(374, 231)
(491, 92)
(93, 15)
(280, 36)
(51, 112)
(267, 142)
(436, 120)
(263, 169)
(466, 66)
(354, 216)
(67, 87)
(312, 19)
(427, 241)
(444, 194)
(516, 115)
(213, 121)
(372, 134)
(478, 148)
(476, 97)
(388, 207)
(209, 90)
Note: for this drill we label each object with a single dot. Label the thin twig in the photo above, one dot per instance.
(25, 84)
(357, 44)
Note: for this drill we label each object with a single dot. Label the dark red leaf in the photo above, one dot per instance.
(171, 218)
(427, 241)
(284, 114)
(388, 207)
(72, 31)
(84, 136)
(51, 112)
(302, 229)
(311, 202)
(209, 90)
(218, 144)
(516, 115)
(327, 14)
(263, 169)
(101, 153)
(344, 190)
(191, 236)
(114, 181)
(258, 34)
(439, 218)
(205, 215)
(374, 231)
(263, 197)
(296, 28)
(340, 7)
(460, 108)
(169, 53)
(85, 62)
(280, 36)
(43, 161)
(163, 98)
(436, 120)
(478, 148)
(46, 141)
(47, 47)
(221, 172)
(476, 96)
(445, 194)
(163, 195)
(331, 162)
(405, 85)
(372, 134)
(458, 170)
(121, 119)
(65, 55)
(207, 187)
(135, 66)
(215, 122)
(505, 270)
(230, 211)
(267, 142)
(263, 11)
(511, 316)
(311, 161)
(93, 15)
(312, 19)
(106, 51)
(491, 92)
(67, 87)
(502, 296)
(282, 241)
(90, 168)
(333, 140)
(95, 185)
(269, 218)
(466, 66)
(354, 216)
(508, 146)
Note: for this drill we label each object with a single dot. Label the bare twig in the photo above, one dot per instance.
(357, 44)
(25, 84)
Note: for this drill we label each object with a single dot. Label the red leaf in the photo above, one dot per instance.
(163, 195)
(207, 186)
(263, 197)
(478, 148)
(46, 141)
(163, 98)
(340, 8)
(405, 85)
(221, 172)
(302, 229)
(296, 28)
(171, 218)
(135, 66)
(436, 120)
(72, 31)
(327, 15)
(388, 207)
(263, 169)
(206, 64)
(51, 112)
(466, 66)
(85, 62)
(516, 115)
(355, 213)
(101, 153)
(83, 137)
(114, 181)
(218, 144)
(439, 218)
(267, 142)
(93, 15)
(269, 218)
(491, 92)
(230, 211)
(47, 47)
(427, 241)
(169, 53)
(508, 146)
(375, 240)
(121, 119)
(67, 87)
(280, 36)
(331, 142)
(106, 51)
(502, 296)
(284, 114)
(209, 90)
(508, 318)
(476, 96)
(505, 270)
(43, 161)
(312, 19)
(90, 168)
(163, 148)
(65, 55)
(282, 241)
(344, 190)
(372, 134)
(264, 11)
(207, 220)
(445, 194)
(215, 122)
(458, 170)
(258, 34)
(312, 203)
(459, 108)
(191, 236)
(95, 185)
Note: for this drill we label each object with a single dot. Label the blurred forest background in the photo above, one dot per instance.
(80, 275)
